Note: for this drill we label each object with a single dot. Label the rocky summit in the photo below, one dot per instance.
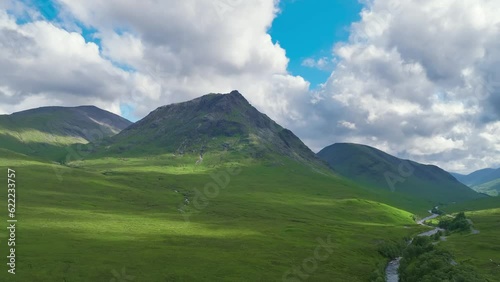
(213, 122)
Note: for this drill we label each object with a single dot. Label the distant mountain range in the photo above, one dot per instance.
(217, 178)
(45, 131)
(217, 123)
(485, 180)
(374, 168)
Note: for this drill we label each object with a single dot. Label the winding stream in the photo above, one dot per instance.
(391, 271)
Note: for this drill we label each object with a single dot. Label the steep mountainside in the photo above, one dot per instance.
(214, 122)
(478, 177)
(485, 180)
(372, 167)
(44, 131)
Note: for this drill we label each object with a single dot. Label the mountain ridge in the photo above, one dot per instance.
(45, 131)
(373, 167)
(485, 180)
(479, 176)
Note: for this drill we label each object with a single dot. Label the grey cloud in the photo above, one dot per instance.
(14, 43)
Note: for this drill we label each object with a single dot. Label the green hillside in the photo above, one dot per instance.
(206, 190)
(47, 132)
(374, 168)
(491, 188)
(474, 205)
(164, 218)
(258, 206)
(479, 248)
(482, 250)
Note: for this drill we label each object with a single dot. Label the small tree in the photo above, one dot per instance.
(459, 223)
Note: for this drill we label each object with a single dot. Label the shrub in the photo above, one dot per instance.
(437, 211)
(459, 223)
(378, 275)
(391, 249)
(422, 262)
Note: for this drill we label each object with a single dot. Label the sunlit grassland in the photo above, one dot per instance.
(491, 188)
(79, 222)
(36, 136)
(35, 142)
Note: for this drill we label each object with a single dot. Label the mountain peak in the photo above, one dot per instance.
(237, 96)
(213, 122)
(236, 93)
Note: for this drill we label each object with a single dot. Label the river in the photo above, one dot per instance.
(391, 271)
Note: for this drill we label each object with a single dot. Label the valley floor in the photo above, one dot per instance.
(164, 218)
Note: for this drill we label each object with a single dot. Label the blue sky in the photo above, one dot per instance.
(310, 28)
(49, 10)
(304, 28)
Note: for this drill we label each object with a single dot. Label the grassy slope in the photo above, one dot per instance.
(491, 188)
(481, 250)
(107, 214)
(478, 249)
(475, 205)
(47, 132)
(25, 140)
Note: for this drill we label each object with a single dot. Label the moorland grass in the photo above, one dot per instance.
(80, 222)
(480, 250)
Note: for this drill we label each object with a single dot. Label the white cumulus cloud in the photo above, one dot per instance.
(419, 79)
(422, 77)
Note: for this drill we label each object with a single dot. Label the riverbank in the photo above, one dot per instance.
(392, 269)
(421, 259)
